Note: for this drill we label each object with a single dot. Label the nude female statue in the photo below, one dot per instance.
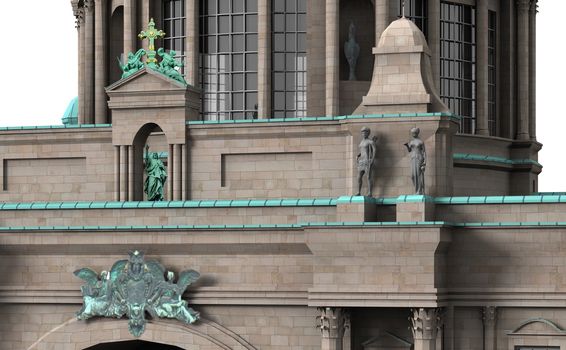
(417, 152)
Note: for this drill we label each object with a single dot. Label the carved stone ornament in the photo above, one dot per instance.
(425, 323)
(489, 314)
(331, 322)
(132, 288)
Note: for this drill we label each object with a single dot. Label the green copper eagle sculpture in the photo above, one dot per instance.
(134, 287)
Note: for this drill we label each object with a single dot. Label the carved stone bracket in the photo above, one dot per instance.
(332, 322)
(489, 315)
(425, 323)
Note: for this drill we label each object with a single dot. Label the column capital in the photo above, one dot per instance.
(78, 12)
(89, 5)
(489, 315)
(332, 322)
(425, 323)
(523, 5)
(534, 6)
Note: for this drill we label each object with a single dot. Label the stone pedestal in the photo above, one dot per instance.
(355, 209)
(415, 208)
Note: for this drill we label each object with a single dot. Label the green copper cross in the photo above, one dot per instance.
(151, 34)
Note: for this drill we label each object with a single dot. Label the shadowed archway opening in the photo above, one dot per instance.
(133, 345)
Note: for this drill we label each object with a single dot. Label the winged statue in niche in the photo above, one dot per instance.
(134, 287)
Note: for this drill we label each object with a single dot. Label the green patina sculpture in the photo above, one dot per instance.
(151, 34)
(156, 175)
(169, 66)
(134, 63)
(134, 287)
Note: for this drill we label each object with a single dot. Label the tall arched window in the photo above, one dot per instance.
(228, 59)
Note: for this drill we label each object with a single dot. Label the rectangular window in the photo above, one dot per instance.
(174, 28)
(537, 347)
(228, 59)
(289, 58)
(492, 71)
(458, 62)
(416, 11)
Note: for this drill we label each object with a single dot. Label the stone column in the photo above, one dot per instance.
(131, 173)
(191, 41)
(89, 63)
(123, 173)
(130, 31)
(489, 318)
(170, 176)
(117, 173)
(523, 84)
(185, 172)
(347, 338)
(332, 57)
(482, 73)
(425, 324)
(145, 17)
(533, 69)
(100, 62)
(434, 39)
(331, 325)
(78, 12)
(264, 59)
(177, 172)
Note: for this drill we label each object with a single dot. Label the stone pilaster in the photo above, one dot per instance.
(191, 41)
(533, 69)
(100, 105)
(434, 39)
(177, 173)
(88, 59)
(332, 57)
(523, 84)
(170, 172)
(78, 12)
(124, 176)
(117, 173)
(331, 324)
(264, 59)
(347, 338)
(424, 325)
(185, 169)
(489, 317)
(482, 67)
(381, 18)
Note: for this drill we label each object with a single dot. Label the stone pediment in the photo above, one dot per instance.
(538, 326)
(146, 79)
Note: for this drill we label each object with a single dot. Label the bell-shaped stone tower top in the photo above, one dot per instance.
(402, 79)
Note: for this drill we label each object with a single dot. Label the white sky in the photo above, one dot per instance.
(39, 73)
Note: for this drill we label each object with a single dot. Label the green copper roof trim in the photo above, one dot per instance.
(299, 202)
(530, 199)
(333, 118)
(414, 198)
(47, 127)
(494, 159)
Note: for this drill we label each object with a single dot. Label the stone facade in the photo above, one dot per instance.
(263, 208)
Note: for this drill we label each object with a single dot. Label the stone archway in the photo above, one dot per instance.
(80, 335)
(133, 345)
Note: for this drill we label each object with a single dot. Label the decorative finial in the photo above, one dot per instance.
(151, 34)
(403, 8)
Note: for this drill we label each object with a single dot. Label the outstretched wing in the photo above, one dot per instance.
(87, 275)
(117, 268)
(156, 269)
(186, 278)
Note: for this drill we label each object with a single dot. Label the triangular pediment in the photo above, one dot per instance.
(146, 79)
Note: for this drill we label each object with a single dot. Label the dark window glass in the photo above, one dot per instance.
(174, 27)
(289, 59)
(457, 62)
(492, 71)
(229, 80)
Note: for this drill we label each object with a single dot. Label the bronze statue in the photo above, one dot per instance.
(156, 176)
(365, 159)
(417, 152)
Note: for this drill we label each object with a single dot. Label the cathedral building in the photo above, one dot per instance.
(287, 174)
